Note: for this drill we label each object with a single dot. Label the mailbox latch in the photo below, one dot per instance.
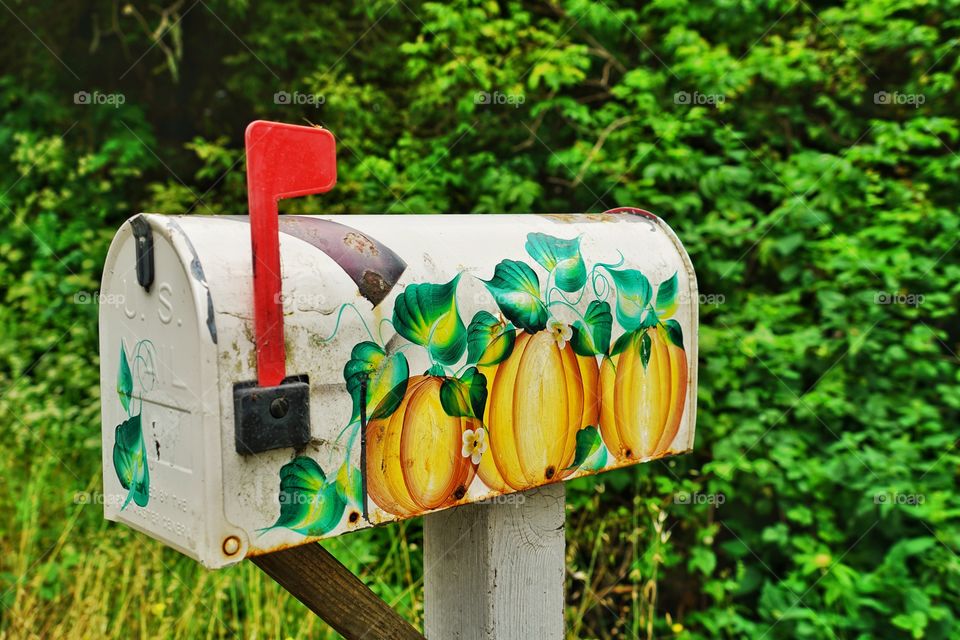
(272, 417)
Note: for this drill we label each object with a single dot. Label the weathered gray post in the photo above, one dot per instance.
(496, 570)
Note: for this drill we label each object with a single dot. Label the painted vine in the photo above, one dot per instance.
(461, 414)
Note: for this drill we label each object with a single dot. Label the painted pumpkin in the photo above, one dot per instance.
(537, 400)
(414, 460)
(641, 407)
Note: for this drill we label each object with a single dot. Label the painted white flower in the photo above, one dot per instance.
(561, 333)
(474, 444)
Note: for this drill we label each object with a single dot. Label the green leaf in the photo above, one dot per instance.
(130, 461)
(465, 396)
(124, 380)
(591, 336)
(597, 460)
(427, 315)
(674, 332)
(646, 345)
(309, 504)
(560, 256)
(386, 377)
(589, 448)
(489, 341)
(516, 289)
(703, 560)
(633, 296)
(623, 342)
(667, 297)
(350, 484)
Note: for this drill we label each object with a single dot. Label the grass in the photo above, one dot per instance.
(67, 572)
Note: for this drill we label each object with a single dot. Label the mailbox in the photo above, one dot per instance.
(427, 362)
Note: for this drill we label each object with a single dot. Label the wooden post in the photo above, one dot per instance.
(317, 579)
(496, 571)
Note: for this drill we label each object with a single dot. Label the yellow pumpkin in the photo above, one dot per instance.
(537, 400)
(414, 461)
(640, 408)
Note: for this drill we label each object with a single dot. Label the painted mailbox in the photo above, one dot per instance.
(437, 360)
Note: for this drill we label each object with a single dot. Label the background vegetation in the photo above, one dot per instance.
(806, 152)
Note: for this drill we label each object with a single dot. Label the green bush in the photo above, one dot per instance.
(805, 152)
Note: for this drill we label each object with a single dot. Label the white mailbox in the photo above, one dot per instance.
(425, 362)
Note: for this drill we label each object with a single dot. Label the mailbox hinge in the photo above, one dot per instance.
(143, 235)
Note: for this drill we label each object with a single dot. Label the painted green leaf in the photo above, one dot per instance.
(124, 380)
(350, 484)
(591, 336)
(386, 377)
(597, 459)
(633, 296)
(516, 289)
(646, 345)
(674, 332)
(130, 461)
(589, 449)
(427, 315)
(650, 319)
(309, 504)
(623, 342)
(489, 341)
(560, 256)
(466, 396)
(667, 297)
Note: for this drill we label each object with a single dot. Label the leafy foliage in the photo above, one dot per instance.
(309, 503)
(591, 336)
(633, 295)
(124, 380)
(426, 314)
(466, 395)
(590, 452)
(516, 289)
(489, 340)
(130, 461)
(561, 257)
(375, 380)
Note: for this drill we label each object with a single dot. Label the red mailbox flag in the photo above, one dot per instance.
(283, 161)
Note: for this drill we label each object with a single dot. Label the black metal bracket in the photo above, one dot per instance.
(143, 235)
(268, 418)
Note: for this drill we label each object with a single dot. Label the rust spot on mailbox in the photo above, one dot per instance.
(361, 244)
(373, 287)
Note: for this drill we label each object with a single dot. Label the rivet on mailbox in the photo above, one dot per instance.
(271, 381)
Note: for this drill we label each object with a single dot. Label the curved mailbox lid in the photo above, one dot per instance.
(505, 352)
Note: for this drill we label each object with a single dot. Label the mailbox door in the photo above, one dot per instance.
(160, 400)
